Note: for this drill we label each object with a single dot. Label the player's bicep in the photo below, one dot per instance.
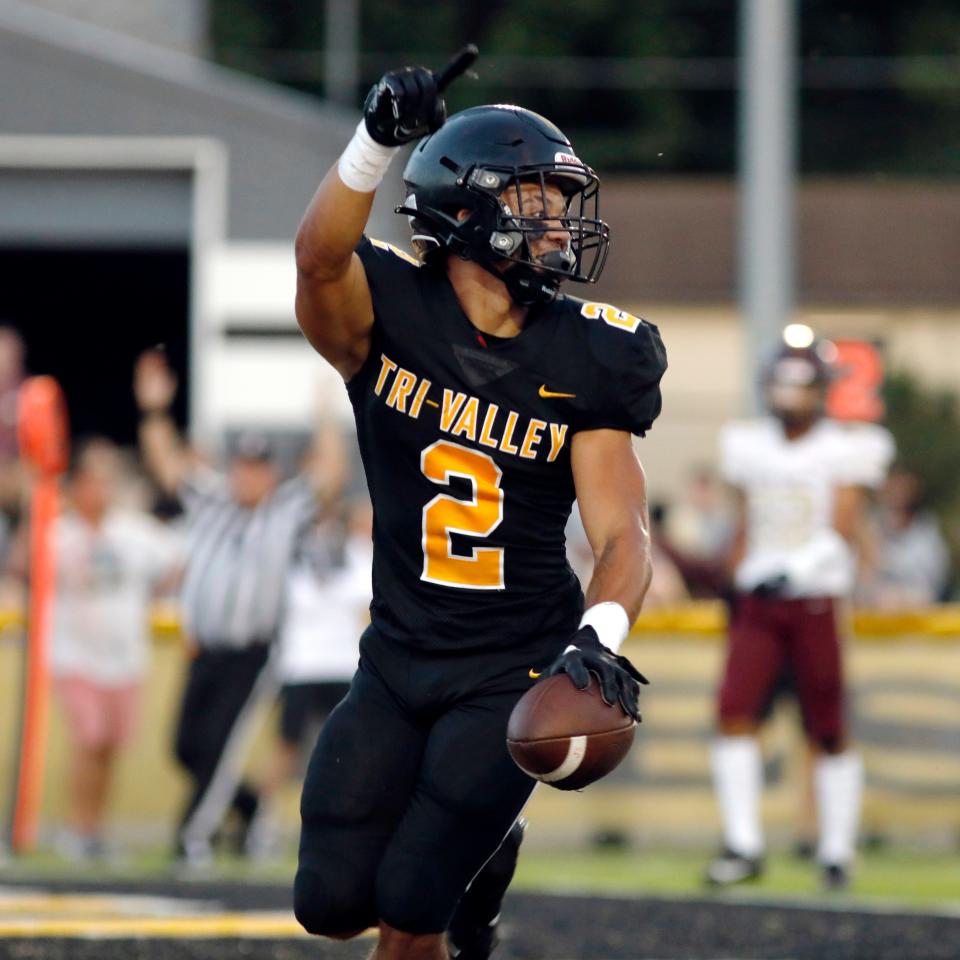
(335, 314)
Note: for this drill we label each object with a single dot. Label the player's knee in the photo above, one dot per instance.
(329, 909)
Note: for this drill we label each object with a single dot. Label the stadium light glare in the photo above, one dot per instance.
(798, 335)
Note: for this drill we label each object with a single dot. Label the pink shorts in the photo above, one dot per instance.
(98, 716)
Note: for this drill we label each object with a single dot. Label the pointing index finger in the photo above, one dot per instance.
(460, 63)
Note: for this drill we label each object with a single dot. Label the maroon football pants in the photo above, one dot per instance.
(770, 637)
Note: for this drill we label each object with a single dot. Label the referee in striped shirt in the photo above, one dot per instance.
(242, 531)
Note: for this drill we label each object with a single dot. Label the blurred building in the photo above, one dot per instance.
(147, 197)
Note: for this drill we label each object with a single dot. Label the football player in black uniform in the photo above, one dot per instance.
(485, 402)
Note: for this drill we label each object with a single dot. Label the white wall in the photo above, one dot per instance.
(176, 24)
(260, 380)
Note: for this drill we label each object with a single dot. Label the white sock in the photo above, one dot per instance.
(838, 781)
(738, 780)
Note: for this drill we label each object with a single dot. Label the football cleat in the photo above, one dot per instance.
(834, 876)
(804, 849)
(731, 868)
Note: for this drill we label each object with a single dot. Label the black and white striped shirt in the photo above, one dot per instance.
(238, 559)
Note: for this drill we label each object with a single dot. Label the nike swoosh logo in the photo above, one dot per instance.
(534, 675)
(547, 394)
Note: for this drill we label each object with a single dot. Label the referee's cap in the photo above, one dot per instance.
(253, 445)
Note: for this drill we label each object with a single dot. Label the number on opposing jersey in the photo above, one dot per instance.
(611, 315)
(477, 517)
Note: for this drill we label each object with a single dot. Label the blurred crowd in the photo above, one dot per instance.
(268, 562)
(904, 560)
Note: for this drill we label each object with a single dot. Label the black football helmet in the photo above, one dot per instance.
(468, 164)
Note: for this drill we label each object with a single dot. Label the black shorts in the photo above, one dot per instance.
(302, 702)
(410, 788)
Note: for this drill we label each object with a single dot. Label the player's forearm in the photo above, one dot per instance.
(161, 449)
(622, 571)
(849, 507)
(327, 467)
(331, 229)
(338, 213)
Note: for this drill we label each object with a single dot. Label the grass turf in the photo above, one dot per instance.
(912, 879)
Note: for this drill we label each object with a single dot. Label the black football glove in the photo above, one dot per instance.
(772, 587)
(406, 104)
(619, 679)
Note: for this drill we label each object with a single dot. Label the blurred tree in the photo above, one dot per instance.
(925, 423)
(580, 64)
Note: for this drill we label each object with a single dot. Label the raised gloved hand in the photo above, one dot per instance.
(406, 104)
(619, 679)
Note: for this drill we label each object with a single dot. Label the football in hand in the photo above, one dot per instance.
(567, 737)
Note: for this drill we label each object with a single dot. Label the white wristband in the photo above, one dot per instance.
(610, 621)
(364, 162)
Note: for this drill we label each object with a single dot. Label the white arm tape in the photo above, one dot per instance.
(364, 162)
(610, 621)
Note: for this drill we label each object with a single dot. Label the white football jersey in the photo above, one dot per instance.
(790, 489)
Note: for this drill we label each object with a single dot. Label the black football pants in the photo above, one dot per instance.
(410, 788)
(222, 690)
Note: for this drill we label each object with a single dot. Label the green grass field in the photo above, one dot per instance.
(913, 879)
(885, 878)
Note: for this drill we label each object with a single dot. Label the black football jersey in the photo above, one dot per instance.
(465, 441)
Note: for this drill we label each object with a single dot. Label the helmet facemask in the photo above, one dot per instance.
(504, 224)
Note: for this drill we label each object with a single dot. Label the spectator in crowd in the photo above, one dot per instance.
(109, 560)
(911, 563)
(695, 535)
(328, 599)
(11, 379)
(802, 482)
(11, 476)
(243, 530)
(700, 522)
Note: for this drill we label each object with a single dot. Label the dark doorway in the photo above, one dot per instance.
(86, 314)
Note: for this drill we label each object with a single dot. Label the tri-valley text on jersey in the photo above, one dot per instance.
(462, 415)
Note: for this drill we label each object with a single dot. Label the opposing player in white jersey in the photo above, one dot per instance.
(802, 482)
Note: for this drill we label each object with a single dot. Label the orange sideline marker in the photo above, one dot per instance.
(42, 429)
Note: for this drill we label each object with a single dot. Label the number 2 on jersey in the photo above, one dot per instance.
(478, 516)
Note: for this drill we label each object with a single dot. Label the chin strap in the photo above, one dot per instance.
(528, 286)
